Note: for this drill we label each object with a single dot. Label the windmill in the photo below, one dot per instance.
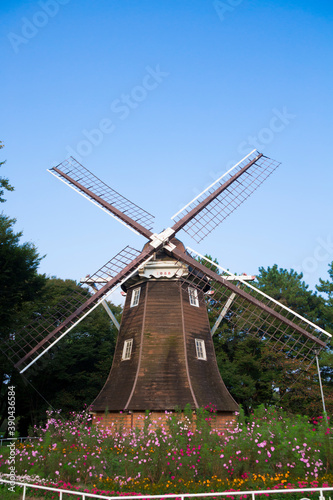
(164, 356)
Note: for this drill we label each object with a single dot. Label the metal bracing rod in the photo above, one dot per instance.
(112, 316)
(223, 313)
(106, 307)
(321, 386)
(195, 211)
(228, 304)
(120, 215)
(145, 254)
(238, 291)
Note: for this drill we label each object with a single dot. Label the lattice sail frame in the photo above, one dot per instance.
(26, 339)
(250, 319)
(113, 267)
(46, 330)
(88, 180)
(234, 195)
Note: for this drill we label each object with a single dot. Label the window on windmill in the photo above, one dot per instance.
(127, 349)
(193, 296)
(135, 297)
(201, 349)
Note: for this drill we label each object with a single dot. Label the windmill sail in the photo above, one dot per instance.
(112, 267)
(90, 186)
(29, 344)
(252, 312)
(25, 341)
(203, 214)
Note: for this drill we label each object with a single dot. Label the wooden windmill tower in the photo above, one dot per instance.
(164, 357)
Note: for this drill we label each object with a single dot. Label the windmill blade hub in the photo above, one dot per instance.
(157, 240)
(162, 266)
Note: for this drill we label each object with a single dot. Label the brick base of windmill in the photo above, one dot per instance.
(218, 421)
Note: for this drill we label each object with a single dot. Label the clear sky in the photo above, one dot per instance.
(158, 98)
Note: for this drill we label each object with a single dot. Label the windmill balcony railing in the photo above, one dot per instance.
(30, 489)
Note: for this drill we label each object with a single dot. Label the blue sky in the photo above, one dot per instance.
(158, 98)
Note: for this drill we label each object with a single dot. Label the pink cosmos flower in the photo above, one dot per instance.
(262, 445)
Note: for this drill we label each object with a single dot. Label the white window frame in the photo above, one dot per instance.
(135, 297)
(200, 349)
(127, 350)
(193, 296)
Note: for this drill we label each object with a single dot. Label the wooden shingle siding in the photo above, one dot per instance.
(162, 382)
(206, 380)
(119, 384)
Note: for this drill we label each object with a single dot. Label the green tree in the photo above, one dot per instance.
(20, 282)
(242, 363)
(254, 373)
(20, 286)
(74, 371)
(326, 287)
(290, 290)
(301, 394)
(4, 183)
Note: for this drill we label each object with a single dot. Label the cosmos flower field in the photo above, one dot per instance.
(267, 450)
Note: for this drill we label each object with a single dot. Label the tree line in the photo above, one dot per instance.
(73, 373)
